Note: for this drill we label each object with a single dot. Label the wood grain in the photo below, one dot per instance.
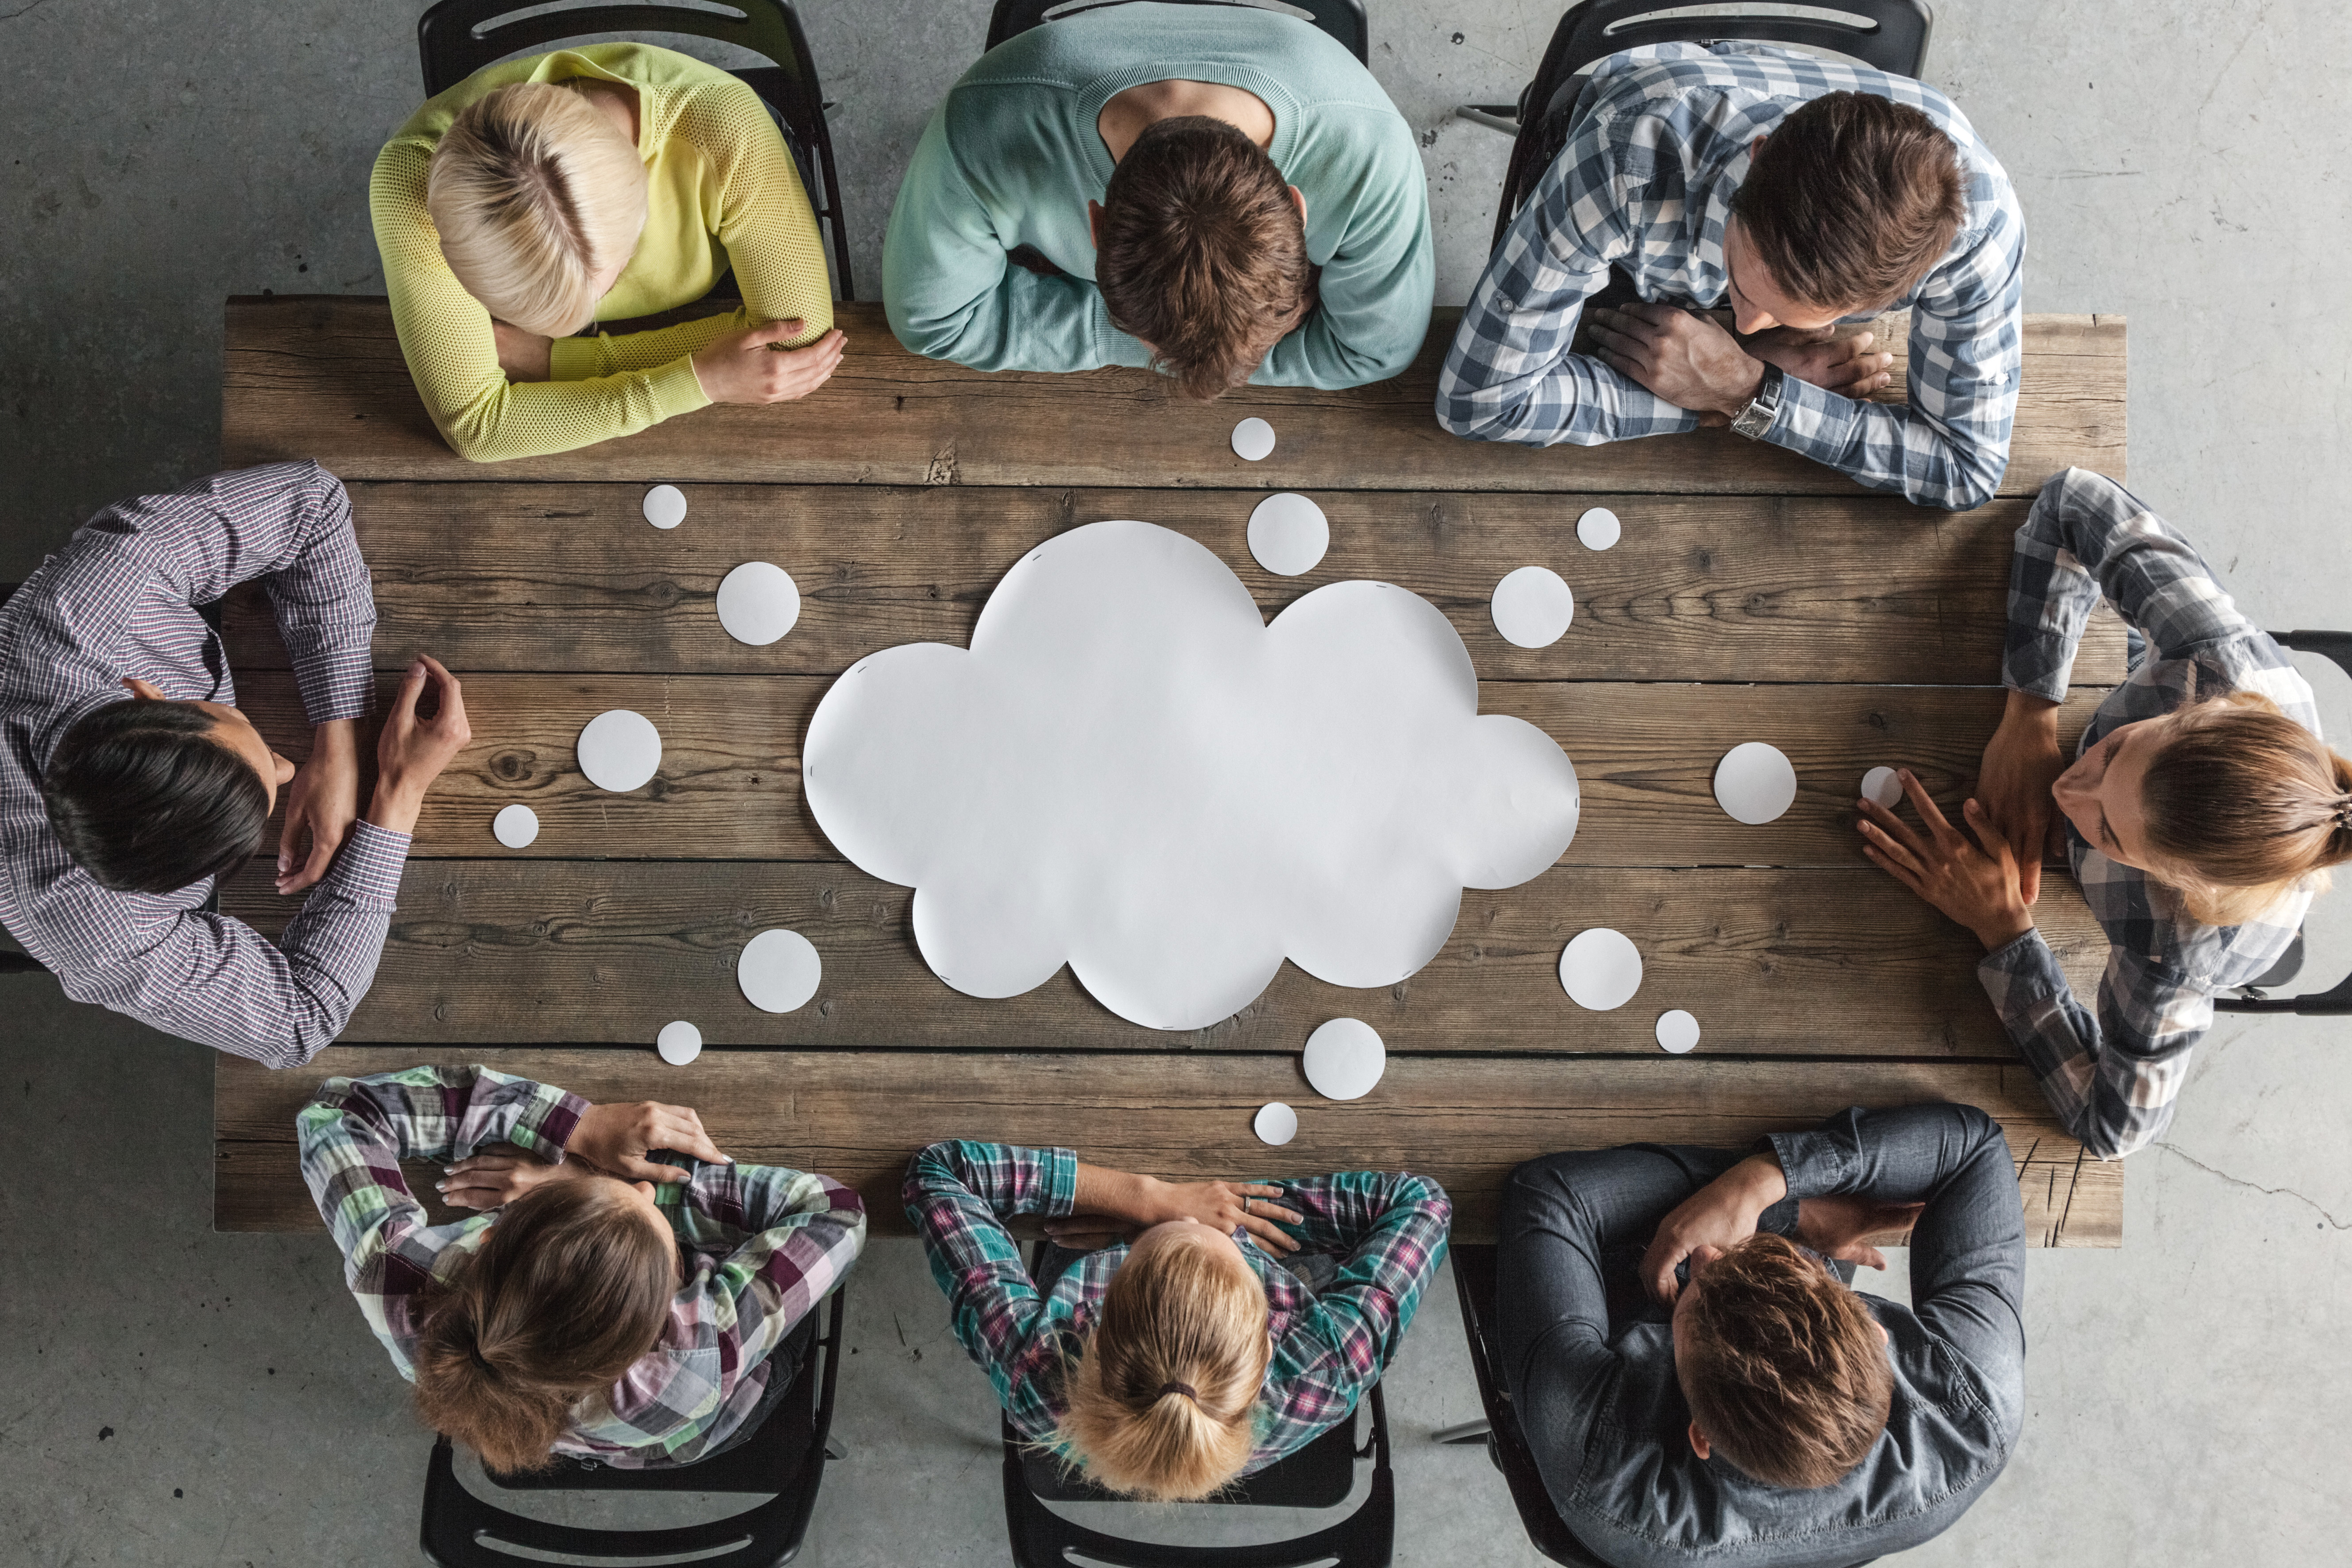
(320, 376)
(1467, 1122)
(1773, 963)
(730, 785)
(568, 577)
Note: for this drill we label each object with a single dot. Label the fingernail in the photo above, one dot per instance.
(417, 667)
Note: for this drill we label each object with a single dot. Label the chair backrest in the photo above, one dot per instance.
(458, 37)
(1343, 19)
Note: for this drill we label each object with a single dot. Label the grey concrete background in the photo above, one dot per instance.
(171, 1396)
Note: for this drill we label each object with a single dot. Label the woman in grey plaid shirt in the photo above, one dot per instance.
(2201, 813)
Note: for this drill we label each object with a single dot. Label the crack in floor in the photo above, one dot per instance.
(2257, 1187)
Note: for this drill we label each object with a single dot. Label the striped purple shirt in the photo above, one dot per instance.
(116, 602)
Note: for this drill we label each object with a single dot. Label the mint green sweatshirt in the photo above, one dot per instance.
(1013, 156)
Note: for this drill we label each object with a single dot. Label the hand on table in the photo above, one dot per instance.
(1720, 1215)
(1843, 365)
(2022, 761)
(1682, 356)
(752, 365)
(412, 751)
(615, 1138)
(1835, 1226)
(322, 803)
(1976, 882)
(499, 1173)
(523, 356)
(1113, 1205)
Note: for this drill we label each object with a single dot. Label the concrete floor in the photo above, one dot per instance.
(170, 1396)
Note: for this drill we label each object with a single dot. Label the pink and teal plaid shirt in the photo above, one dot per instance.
(1387, 1230)
(763, 1246)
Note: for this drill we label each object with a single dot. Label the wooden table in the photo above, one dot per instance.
(1754, 596)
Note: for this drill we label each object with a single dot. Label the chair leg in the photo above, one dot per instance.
(1467, 1432)
(834, 1449)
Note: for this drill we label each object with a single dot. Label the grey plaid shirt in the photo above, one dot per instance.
(2112, 1077)
(116, 602)
(1644, 184)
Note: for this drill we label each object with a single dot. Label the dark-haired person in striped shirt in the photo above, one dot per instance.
(1800, 194)
(130, 782)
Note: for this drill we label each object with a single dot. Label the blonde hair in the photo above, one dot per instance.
(535, 193)
(1160, 1405)
(2244, 805)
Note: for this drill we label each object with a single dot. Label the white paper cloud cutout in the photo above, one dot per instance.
(1130, 773)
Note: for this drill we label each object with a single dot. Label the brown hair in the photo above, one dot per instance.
(2244, 804)
(1852, 200)
(1202, 253)
(534, 194)
(1159, 1405)
(1785, 1370)
(569, 1290)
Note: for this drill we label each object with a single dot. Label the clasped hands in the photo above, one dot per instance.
(323, 800)
(1724, 1212)
(1118, 1207)
(1686, 358)
(749, 366)
(610, 1140)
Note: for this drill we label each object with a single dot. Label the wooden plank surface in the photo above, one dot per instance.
(568, 577)
(1773, 963)
(322, 376)
(858, 1117)
(730, 785)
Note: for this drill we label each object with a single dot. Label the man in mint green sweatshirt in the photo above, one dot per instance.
(1222, 192)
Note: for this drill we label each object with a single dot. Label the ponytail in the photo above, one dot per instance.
(1160, 1407)
(2245, 805)
(569, 1290)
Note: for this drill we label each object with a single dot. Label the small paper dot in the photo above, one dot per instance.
(1601, 969)
(1533, 608)
(757, 603)
(1677, 1031)
(1252, 440)
(1275, 1123)
(1882, 785)
(620, 751)
(1755, 783)
(515, 826)
(1345, 1059)
(679, 1043)
(665, 506)
(1288, 535)
(1597, 528)
(778, 970)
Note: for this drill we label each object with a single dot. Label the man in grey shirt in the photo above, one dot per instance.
(1771, 1416)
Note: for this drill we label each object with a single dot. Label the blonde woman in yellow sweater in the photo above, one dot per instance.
(596, 184)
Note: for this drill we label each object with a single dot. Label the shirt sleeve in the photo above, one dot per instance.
(2111, 1078)
(1509, 375)
(952, 292)
(351, 1137)
(1968, 1247)
(445, 336)
(802, 1233)
(1392, 1228)
(958, 1195)
(2087, 536)
(1948, 444)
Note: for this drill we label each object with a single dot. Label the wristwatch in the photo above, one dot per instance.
(1762, 409)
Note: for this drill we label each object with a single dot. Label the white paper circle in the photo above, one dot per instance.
(757, 603)
(1677, 1031)
(678, 1043)
(1275, 1123)
(665, 506)
(1882, 785)
(1597, 528)
(1601, 969)
(1252, 440)
(1345, 1059)
(515, 826)
(619, 751)
(1288, 535)
(1533, 608)
(778, 971)
(1755, 782)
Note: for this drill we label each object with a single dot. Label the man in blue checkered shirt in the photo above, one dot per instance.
(1800, 193)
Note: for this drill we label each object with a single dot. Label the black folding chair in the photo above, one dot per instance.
(1890, 35)
(1507, 1445)
(1343, 19)
(1320, 1475)
(786, 1456)
(458, 37)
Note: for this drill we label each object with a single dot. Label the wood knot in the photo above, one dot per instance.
(943, 471)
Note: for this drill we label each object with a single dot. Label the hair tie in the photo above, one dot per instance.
(2343, 812)
(1183, 1388)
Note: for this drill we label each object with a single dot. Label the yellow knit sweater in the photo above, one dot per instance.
(720, 189)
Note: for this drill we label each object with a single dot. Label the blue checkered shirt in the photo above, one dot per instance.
(2112, 1077)
(1645, 185)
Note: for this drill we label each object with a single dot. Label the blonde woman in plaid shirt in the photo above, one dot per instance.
(2200, 812)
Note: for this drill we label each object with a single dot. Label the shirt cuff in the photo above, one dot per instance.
(337, 683)
(2023, 969)
(1061, 1173)
(547, 1125)
(1811, 422)
(1816, 1164)
(676, 389)
(367, 869)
